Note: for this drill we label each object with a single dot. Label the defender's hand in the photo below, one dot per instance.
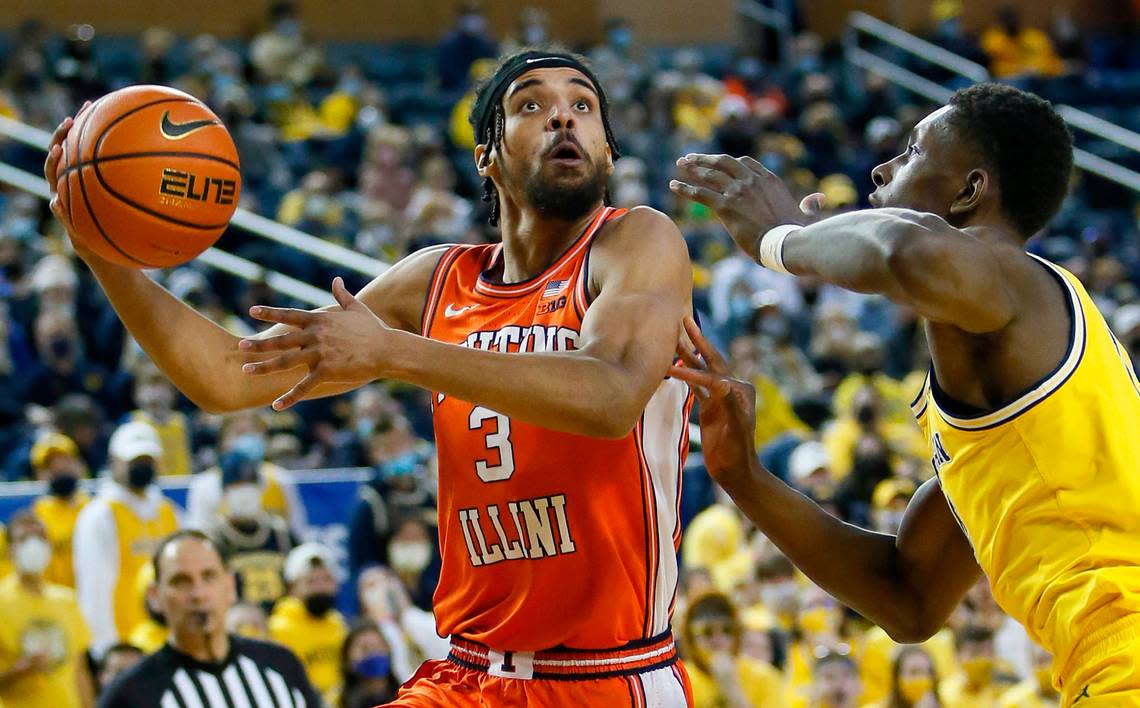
(746, 196)
(728, 406)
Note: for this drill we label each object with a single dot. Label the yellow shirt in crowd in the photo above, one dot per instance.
(762, 685)
(47, 623)
(879, 652)
(774, 414)
(175, 439)
(137, 540)
(58, 516)
(5, 556)
(315, 641)
(956, 694)
(1027, 695)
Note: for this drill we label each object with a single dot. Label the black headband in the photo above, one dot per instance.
(520, 64)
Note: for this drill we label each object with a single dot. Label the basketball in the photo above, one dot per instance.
(150, 177)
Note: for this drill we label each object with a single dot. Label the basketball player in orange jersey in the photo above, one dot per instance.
(1031, 406)
(560, 439)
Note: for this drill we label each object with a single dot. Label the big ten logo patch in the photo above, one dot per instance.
(549, 307)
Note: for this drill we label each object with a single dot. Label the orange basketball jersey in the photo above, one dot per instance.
(549, 539)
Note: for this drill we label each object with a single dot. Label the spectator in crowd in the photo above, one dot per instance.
(306, 620)
(1126, 325)
(835, 682)
(62, 367)
(116, 533)
(366, 664)
(1038, 690)
(409, 630)
(245, 432)
(809, 469)
(845, 436)
(413, 555)
(978, 682)
(820, 629)
(914, 682)
(715, 541)
(1016, 50)
(246, 619)
(398, 488)
(43, 638)
(117, 660)
(79, 417)
(253, 542)
(888, 504)
(55, 460)
(154, 398)
(879, 655)
(719, 674)
(468, 41)
(201, 663)
(281, 53)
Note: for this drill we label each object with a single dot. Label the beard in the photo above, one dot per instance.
(563, 200)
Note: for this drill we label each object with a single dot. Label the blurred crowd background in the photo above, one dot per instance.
(368, 146)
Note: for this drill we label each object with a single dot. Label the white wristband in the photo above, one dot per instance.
(772, 246)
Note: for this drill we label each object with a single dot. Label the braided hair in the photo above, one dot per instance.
(493, 130)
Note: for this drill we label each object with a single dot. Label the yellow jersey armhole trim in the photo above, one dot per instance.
(1045, 387)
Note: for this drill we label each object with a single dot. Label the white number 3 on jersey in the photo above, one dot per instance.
(499, 439)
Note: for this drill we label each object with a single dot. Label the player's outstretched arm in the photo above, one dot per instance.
(644, 280)
(947, 275)
(907, 584)
(200, 357)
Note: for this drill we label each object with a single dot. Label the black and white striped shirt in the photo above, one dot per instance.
(255, 674)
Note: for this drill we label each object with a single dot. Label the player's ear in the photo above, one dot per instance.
(484, 158)
(972, 193)
(609, 159)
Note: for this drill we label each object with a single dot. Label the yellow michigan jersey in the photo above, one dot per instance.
(1047, 488)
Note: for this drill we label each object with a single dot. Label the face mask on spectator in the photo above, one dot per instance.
(401, 466)
(63, 485)
(31, 555)
(913, 689)
(243, 501)
(61, 347)
(140, 474)
(319, 604)
(252, 445)
(978, 670)
(373, 666)
(409, 556)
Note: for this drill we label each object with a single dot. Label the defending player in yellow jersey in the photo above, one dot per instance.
(1031, 406)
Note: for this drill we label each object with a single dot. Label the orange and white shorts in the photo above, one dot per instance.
(641, 674)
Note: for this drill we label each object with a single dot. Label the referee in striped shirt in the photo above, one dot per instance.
(201, 666)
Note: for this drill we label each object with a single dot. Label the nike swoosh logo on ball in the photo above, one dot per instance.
(176, 131)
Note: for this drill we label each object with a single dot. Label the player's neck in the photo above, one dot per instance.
(201, 646)
(532, 243)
